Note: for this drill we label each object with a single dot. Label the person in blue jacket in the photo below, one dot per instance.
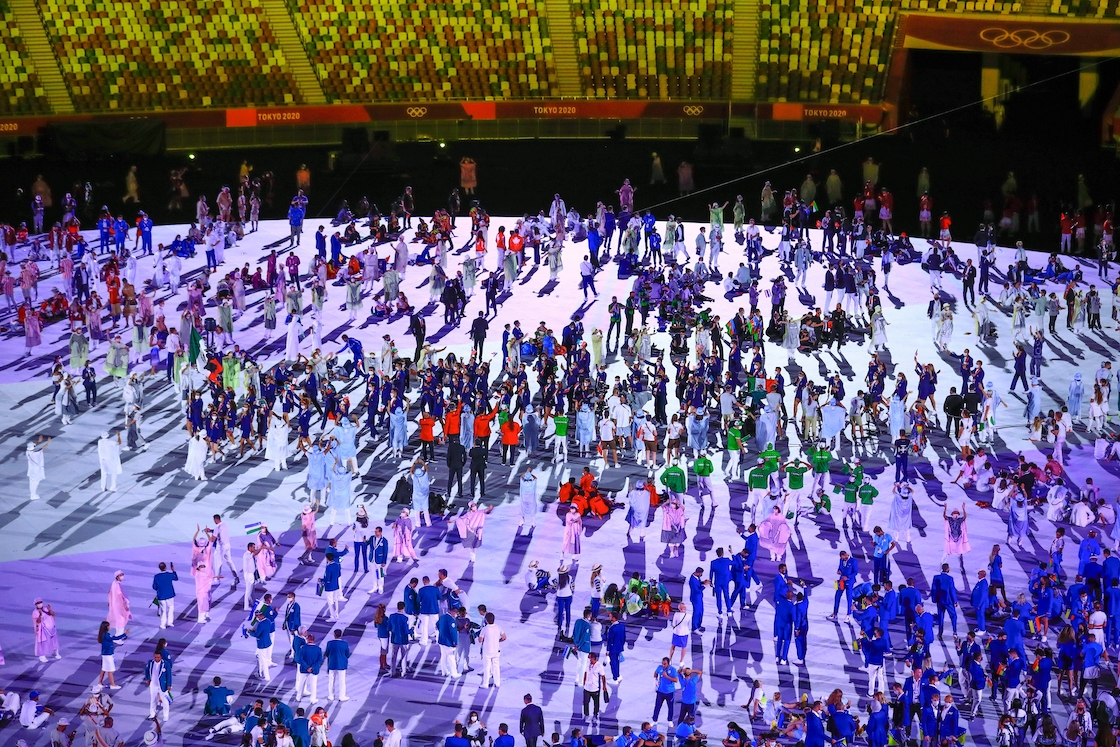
(447, 635)
(874, 649)
(292, 621)
(846, 571)
(379, 549)
(950, 727)
(696, 598)
(104, 230)
(720, 574)
(108, 643)
(878, 722)
(144, 233)
(981, 602)
(164, 586)
(909, 597)
(262, 629)
(781, 583)
(801, 624)
(279, 714)
(581, 640)
(844, 728)
(301, 729)
(814, 726)
(332, 584)
(120, 233)
(943, 590)
(310, 662)
(338, 660)
(978, 680)
(1042, 670)
(931, 721)
(399, 634)
(296, 214)
(428, 599)
(616, 645)
(217, 699)
(783, 627)
(889, 610)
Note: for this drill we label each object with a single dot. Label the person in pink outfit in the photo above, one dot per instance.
(470, 526)
(672, 526)
(120, 611)
(46, 634)
(402, 538)
(309, 534)
(573, 532)
(203, 583)
(774, 533)
(266, 558)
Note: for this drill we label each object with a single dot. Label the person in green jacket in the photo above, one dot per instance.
(560, 438)
(675, 479)
(758, 482)
(867, 494)
(704, 468)
(736, 450)
(821, 459)
(794, 472)
(850, 490)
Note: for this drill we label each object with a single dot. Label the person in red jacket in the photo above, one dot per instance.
(511, 434)
(451, 421)
(427, 436)
(482, 426)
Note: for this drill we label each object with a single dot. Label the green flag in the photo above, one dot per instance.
(194, 347)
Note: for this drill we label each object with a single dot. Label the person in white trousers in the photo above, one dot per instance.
(491, 639)
(224, 554)
(36, 469)
(249, 570)
(338, 660)
(157, 676)
(447, 634)
(109, 459)
(310, 662)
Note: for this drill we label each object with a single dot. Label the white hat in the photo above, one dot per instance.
(63, 722)
(104, 434)
(96, 689)
(30, 444)
(150, 737)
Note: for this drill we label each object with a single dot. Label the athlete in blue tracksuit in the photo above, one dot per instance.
(720, 574)
(801, 624)
(944, 593)
(846, 571)
(696, 598)
(981, 601)
(784, 613)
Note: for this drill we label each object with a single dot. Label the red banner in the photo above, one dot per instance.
(1016, 36)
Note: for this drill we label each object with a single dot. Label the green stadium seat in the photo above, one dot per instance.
(20, 89)
(154, 54)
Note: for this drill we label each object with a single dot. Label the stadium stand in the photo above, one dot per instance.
(399, 51)
(162, 54)
(825, 51)
(19, 86)
(640, 48)
(1104, 9)
(963, 6)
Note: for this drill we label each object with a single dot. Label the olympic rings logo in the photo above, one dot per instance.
(693, 111)
(416, 111)
(1025, 38)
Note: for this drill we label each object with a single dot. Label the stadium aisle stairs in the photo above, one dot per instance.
(564, 47)
(744, 51)
(284, 28)
(42, 56)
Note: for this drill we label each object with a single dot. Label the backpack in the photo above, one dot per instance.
(402, 493)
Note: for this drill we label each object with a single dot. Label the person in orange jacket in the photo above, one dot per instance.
(511, 434)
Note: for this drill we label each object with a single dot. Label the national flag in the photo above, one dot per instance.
(253, 528)
(194, 346)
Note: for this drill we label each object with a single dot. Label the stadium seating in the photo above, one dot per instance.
(640, 48)
(161, 54)
(963, 6)
(19, 86)
(825, 51)
(1105, 9)
(394, 50)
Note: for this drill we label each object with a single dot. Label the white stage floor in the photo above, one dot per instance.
(66, 546)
